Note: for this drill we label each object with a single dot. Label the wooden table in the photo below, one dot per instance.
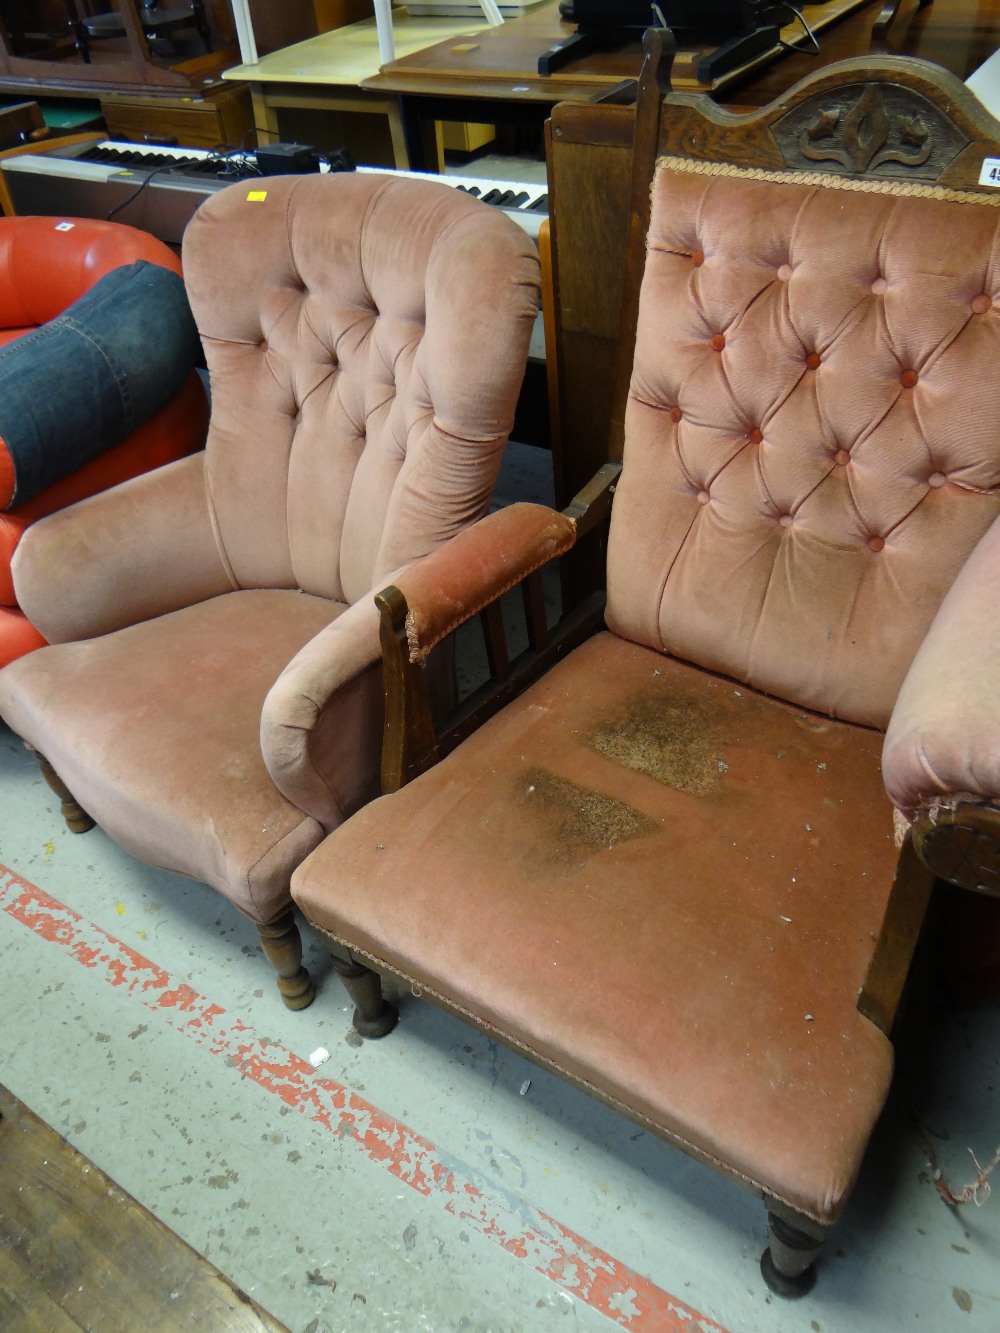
(502, 63)
(318, 90)
(493, 76)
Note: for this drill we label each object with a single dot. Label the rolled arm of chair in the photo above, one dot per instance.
(455, 582)
(321, 725)
(137, 551)
(942, 747)
(322, 722)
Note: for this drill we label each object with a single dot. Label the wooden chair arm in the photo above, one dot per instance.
(464, 579)
(960, 845)
(470, 572)
(591, 505)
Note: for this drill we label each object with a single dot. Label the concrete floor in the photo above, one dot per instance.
(433, 1181)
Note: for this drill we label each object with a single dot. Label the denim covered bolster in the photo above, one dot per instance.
(83, 382)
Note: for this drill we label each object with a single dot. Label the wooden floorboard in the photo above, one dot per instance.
(76, 1252)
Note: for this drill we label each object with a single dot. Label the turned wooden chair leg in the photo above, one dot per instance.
(788, 1263)
(374, 1016)
(282, 944)
(74, 814)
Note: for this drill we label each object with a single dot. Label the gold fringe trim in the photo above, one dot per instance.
(828, 180)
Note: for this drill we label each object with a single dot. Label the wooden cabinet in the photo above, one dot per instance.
(161, 93)
(222, 116)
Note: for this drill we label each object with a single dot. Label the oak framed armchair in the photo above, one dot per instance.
(714, 826)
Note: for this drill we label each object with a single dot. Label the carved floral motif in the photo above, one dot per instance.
(868, 128)
(861, 140)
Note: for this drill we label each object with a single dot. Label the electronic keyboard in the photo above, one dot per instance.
(103, 178)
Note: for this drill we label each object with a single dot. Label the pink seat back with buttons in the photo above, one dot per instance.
(812, 439)
(366, 337)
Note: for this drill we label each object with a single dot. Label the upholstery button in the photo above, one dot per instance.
(813, 360)
(908, 379)
(675, 414)
(879, 287)
(697, 258)
(756, 435)
(784, 272)
(982, 303)
(842, 457)
(936, 479)
(703, 497)
(875, 543)
(785, 520)
(718, 341)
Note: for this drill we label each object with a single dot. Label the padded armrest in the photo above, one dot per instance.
(943, 740)
(323, 712)
(458, 580)
(131, 553)
(327, 706)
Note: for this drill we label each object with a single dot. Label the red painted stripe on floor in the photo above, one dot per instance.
(559, 1254)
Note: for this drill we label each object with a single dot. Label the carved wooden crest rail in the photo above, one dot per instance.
(884, 127)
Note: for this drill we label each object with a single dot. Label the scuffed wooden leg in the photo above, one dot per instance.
(373, 1016)
(77, 819)
(787, 1265)
(282, 944)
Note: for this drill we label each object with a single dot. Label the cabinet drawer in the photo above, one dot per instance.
(203, 122)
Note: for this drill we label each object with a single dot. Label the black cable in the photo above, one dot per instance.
(222, 156)
(813, 48)
(168, 166)
(240, 157)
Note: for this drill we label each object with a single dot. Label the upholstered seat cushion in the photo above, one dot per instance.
(194, 796)
(682, 915)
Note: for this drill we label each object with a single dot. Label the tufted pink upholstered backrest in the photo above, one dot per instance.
(813, 429)
(366, 337)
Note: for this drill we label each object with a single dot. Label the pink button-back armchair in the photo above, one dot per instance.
(699, 903)
(213, 696)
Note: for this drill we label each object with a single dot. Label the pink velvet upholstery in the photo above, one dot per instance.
(642, 984)
(943, 743)
(213, 695)
(691, 845)
(794, 470)
(455, 583)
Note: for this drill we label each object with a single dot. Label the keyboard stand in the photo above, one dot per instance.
(737, 51)
(732, 53)
(559, 56)
(580, 44)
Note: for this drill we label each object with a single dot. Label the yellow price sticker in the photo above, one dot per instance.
(256, 196)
